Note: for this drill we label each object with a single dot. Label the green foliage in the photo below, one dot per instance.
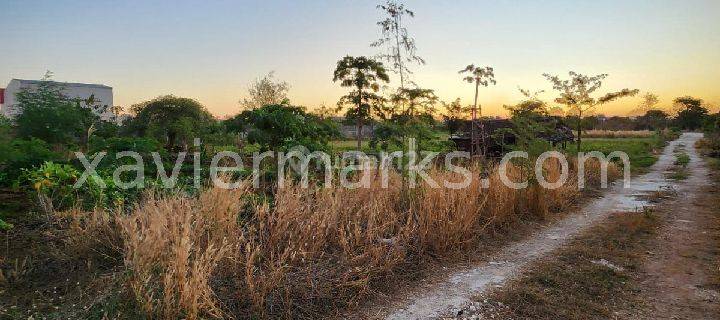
(172, 120)
(363, 75)
(400, 49)
(143, 146)
(18, 154)
(577, 94)
(392, 135)
(640, 150)
(56, 183)
(653, 120)
(416, 102)
(682, 159)
(692, 113)
(49, 115)
(5, 226)
(530, 122)
(280, 127)
(455, 115)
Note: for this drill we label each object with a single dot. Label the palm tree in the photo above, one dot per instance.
(480, 76)
(363, 74)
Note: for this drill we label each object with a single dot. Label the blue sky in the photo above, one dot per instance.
(211, 50)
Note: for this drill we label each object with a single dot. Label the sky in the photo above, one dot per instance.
(213, 50)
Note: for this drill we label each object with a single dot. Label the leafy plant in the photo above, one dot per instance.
(362, 74)
(576, 94)
(280, 127)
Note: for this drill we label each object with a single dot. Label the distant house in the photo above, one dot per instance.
(102, 96)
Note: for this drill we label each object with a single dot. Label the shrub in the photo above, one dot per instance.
(20, 154)
(53, 186)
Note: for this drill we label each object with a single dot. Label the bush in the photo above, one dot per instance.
(281, 127)
(54, 186)
(20, 154)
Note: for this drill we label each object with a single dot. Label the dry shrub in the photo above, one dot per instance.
(90, 236)
(618, 134)
(593, 177)
(173, 245)
(309, 251)
(322, 246)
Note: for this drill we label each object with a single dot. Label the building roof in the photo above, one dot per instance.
(66, 84)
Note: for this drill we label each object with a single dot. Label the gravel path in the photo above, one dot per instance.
(456, 291)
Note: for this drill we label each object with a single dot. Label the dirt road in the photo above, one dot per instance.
(455, 292)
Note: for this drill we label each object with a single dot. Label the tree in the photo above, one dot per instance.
(171, 119)
(455, 114)
(400, 46)
(280, 127)
(530, 122)
(576, 94)
(691, 112)
(556, 112)
(420, 103)
(479, 76)
(653, 120)
(650, 102)
(266, 91)
(47, 114)
(362, 74)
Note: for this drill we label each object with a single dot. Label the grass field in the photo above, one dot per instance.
(642, 151)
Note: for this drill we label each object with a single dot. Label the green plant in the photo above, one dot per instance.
(280, 127)
(20, 154)
(47, 114)
(172, 120)
(4, 226)
(362, 74)
(53, 184)
(682, 159)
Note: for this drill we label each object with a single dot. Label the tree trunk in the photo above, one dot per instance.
(359, 120)
(473, 145)
(579, 130)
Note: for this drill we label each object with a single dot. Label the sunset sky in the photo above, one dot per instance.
(211, 50)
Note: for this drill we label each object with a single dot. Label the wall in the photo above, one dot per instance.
(103, 96)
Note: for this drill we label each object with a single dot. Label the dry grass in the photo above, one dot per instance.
(589, 279)
(311, 251)
(617, 134)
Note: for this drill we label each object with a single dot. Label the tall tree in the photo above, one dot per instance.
(399, 45)
(576, 93)
(691, 112)
(266, 91)
(479, 76)
(362, 74)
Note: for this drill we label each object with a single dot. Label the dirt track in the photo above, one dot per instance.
(455, 292)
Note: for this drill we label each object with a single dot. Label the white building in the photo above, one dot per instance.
(102, 96)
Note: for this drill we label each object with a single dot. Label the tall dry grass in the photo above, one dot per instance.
(311, 251)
